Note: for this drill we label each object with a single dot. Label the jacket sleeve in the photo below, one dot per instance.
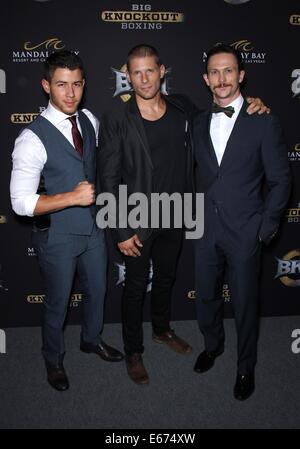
(277, 173)
(109, 169)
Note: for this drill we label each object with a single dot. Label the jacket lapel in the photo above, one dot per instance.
(237, 135)
(204, 135)
(209, 143)
(135, 119)
(84, 134)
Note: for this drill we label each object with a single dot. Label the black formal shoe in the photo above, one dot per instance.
(206, 360)
(244, 386)
(57, 377)
(106, 352)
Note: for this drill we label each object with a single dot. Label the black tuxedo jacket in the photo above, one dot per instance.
(255, 154)
(124, 156)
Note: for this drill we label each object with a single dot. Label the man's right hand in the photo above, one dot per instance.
(130, 247)
(84, 194)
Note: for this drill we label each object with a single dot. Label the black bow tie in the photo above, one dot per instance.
(229, 110)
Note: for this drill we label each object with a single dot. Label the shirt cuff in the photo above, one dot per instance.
(30, 203)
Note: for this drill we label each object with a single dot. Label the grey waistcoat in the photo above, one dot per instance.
(64, 169)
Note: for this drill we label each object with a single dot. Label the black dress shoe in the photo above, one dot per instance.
(57, 377)
(206, 360)
(244, 386)
(106, 352)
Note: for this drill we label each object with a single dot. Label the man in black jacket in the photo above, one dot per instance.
(146, 147)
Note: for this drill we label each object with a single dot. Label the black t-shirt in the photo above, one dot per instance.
(166, 139)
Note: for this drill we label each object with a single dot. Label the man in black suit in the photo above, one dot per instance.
(146, 147)
(235, 153)
(138, 150)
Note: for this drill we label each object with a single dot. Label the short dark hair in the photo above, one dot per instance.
(141, 51)
(224, 48)
(62, 59)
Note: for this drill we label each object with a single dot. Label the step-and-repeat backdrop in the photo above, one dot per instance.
(102, 31)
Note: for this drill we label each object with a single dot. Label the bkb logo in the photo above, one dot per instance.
(288, 269)
(121, 275)
(123, 87)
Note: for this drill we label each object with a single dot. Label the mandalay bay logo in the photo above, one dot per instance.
(123, 87)
(294, 154)
(248, 52)
(38, 52)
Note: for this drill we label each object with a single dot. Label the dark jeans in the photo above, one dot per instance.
(163, 247)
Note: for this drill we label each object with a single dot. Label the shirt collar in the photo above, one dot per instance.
(55, 116)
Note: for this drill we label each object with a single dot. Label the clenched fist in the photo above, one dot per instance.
(84, 193)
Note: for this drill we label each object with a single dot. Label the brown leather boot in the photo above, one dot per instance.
(176, 343)
(136, 369)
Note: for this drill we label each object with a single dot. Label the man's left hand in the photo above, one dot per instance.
(256, 105)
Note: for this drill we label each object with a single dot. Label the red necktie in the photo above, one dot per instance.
(77, 139)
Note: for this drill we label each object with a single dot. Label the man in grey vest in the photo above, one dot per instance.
(60, 147)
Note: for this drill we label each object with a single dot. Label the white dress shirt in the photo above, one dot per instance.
(29, 157)
(221, 127)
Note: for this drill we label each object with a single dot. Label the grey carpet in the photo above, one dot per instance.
(101, 395)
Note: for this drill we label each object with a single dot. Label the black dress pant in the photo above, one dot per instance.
(212, 256)
(163, 248)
